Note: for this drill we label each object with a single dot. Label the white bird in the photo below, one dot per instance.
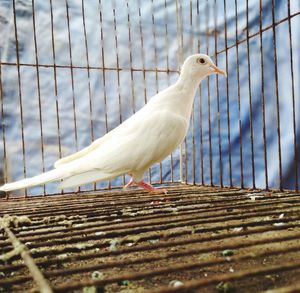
(147, 137)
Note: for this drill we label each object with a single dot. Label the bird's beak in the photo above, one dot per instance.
(218, 70)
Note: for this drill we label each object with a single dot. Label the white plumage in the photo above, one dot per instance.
(147, 137)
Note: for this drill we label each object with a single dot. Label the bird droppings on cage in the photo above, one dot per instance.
(217, 240)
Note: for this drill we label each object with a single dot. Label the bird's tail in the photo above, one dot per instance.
(49, 176)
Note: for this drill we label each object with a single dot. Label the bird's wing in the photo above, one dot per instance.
(132, 149)
(81, 153)
(122, 128)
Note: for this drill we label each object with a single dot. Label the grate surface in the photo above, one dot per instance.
(200, 236)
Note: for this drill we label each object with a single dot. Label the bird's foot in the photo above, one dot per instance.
(151, 188)
(130, 183)
(146, 186)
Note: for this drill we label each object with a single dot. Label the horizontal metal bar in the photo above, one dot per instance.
(35, 272)
(250, 36)
(97, 221)
(163, 256)
(89, 67)
(232, 276)
(193, 284)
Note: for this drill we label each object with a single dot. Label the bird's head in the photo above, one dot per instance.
(200, 66)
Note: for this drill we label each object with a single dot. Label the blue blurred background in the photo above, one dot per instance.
(148, 35)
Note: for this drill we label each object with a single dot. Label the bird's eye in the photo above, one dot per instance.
(201, 61)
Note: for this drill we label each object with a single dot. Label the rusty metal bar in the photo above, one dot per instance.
(135, 229)
(55, 81)
(195, 284)
(72, 79)
(199, 220)
(36, 274)
(20, 91)
(156, 73)
(189, 212)
(277, 97)
(155, 247)
(3, 126)
(117, 65)
(191, 45)
(174, 255)
(88, 72)
(273, 25)
(200, 104)
(91, 67)
(207, 10)
(168, 68)
(63, 204)
(250, 96)
(263, 97)
(180, 59)
(293, 96)
(72, 76)
(232, 276)
(239, 96)
(130, 56)
(39, 90)
(103, 69)
(88, 76)
(143, 62)
(227, 98)
(218, 97)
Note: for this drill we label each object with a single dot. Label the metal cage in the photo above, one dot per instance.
(72, 70)
(234, 125)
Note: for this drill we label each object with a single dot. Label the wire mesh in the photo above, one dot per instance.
(208, 156)
(201, 236)
(70, 71)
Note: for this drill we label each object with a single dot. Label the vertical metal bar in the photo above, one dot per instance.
(208, 95)
(180, 61)
(293, 96)
(263, 96)
(200, 101)
(20, 90)
(193, 112)
(156, 64)
(201, 136)
(55, 80)
(5, 170)
(239, 96)
(118, 62)
(39, 89)
(143, 62)
(103, 72)
(227, 96)
(72, 78)
(218, 97)
(88, 69)
(88, 74)
(118, 66)
(179, 33)
(130, 57)
(142, 50)
(250, 96)
(168, 71)
(277, 96)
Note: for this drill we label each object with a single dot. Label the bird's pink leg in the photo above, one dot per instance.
(151, 188)
(130, 183)
(146, 186)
